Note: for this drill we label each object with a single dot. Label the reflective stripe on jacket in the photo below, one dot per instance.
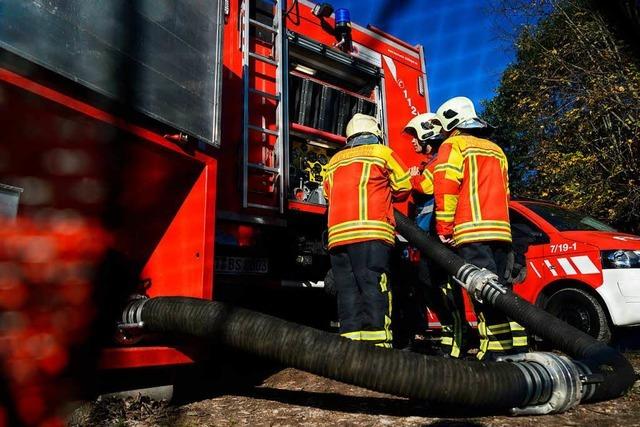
(472, 190)
(359, 183)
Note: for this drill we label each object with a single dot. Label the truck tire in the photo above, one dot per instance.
(582, 310)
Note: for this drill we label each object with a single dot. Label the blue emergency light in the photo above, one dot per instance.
(343, 17)
(343, 30)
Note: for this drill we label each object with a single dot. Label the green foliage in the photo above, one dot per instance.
(568, 115)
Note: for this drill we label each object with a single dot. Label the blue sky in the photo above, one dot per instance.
(464, 55)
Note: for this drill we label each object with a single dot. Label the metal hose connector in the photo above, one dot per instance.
(132, 313)
(481, 283)
(556, 383)
(130, 329)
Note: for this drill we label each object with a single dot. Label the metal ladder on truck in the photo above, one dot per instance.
(265, 129)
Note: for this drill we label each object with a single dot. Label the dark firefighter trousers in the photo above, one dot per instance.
(361, 273)
(498, 335)
(447, 303)
(421, 285)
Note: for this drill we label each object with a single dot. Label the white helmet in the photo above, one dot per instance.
(460, 113)
(361, 123)
(424, 127)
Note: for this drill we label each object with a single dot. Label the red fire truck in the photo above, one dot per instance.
(193, 134)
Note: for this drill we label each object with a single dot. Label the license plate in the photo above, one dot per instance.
(241, 265)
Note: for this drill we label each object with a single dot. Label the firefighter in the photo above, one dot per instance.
(359, 184)
(445, 300)
(472, 213)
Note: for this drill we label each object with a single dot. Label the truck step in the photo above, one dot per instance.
(263, 26)
(264, 168)
(273, 96)
(263, 58)
(263, 130)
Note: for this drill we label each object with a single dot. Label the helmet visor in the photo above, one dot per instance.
(474, 123)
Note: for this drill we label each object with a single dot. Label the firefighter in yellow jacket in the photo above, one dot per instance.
(444, 299)
(472, 213)
(360, 182)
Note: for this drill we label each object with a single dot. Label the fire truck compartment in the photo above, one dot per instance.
(326, 88)
(82, 162)
(171, 51)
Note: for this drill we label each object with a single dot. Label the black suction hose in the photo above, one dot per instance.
(471, 384)
(535, 383)
(429, 245)
(617, 373)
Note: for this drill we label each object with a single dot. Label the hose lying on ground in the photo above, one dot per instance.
(617, 373)
(536, 383)
(496, 386)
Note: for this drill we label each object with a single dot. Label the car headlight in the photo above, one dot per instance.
(620, 258)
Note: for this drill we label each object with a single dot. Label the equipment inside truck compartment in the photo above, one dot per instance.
(306, 170)
(326, 88)
(325, 107)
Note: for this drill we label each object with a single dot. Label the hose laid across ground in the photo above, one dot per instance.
(618, 374)
(489, 386)
(536, 383)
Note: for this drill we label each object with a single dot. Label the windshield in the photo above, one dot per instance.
(566, 220)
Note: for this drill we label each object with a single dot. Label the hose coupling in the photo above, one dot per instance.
(555, 383)
(130, 328)
(481, 283)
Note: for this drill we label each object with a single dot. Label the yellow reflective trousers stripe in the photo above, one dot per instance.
(494, 330)
(352, 335)
(383, 282)
(384, 345)
(373, 335)
(500, 345)
(520, 342)
(513, 334)
(387, 316)
(451, 335)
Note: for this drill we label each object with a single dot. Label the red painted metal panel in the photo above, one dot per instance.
(403, 103)
(176, 265)
(301, 20)
(327, 136)
(81, 107)
(391, 37)
(307, 207)
(232, 111)
(141, 357)
(167, 198)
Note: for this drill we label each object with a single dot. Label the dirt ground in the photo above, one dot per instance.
(268, 395)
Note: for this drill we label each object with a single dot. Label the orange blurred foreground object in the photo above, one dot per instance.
(46, 303)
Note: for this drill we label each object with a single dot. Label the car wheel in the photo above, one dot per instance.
(582, 310)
